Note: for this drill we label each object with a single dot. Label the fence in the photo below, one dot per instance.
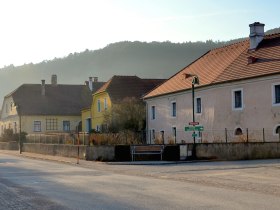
(213, 136)
(162, 137)
(88, 139)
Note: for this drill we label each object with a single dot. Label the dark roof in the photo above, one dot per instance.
(121, 87)
(225, 64)
(58, 100)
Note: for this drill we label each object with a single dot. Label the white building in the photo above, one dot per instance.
(238, 95)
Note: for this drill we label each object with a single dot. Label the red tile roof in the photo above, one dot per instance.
(225, 64)
(120, 87)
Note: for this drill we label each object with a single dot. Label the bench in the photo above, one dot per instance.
(146, 150)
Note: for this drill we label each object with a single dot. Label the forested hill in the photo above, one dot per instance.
(146, 60)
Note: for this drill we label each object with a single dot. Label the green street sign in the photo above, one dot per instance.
(194, 128)
(199, 128)
(189, 128)
(194, 135)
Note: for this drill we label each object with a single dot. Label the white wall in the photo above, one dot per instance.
(217, 113)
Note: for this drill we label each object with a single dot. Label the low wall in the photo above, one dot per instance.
(238, 151)
(55, 149)
(102, 153)
(9, 146)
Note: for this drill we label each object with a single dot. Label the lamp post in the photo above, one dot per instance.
(195, 81)
(19, 136)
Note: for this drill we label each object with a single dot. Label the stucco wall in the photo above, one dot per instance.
(238, 151)
(217, 112)
(98, 117)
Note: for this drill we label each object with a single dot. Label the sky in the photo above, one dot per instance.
(37, 30)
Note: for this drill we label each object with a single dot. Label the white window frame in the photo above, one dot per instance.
(63, 125)
(35, 130)
(153, 112)
(98, 105)
(172, 111)
(196, 105)
(273, 94)
(233, 99)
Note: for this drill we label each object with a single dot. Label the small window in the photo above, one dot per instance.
(237, 99)
(98, 105)
(153, 112)
(276, 94)
(198, 105)
(162, 136)
(37, 126)
(173, 111)
(174, 133)
(238, 132)
(277, 130)
(153, 134)
(66, 125)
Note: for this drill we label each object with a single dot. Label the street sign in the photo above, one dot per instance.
(194, 135)
(199, 128)
(193, 123)
(189, 128)
(194, 128)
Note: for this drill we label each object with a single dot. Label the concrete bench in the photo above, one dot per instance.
(146, 150)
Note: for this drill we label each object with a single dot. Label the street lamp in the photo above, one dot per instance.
(19, 136)
(195, 81)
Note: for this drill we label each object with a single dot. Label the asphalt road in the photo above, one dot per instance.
(27, 183)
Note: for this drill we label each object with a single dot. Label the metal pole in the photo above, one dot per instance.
(193, 111)
(263, 136)
(247, 135)
(19, 137)
(226, 134)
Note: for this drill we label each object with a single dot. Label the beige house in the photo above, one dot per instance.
(46, 108)
(238, 94)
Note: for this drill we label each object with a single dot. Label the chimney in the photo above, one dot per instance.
(54, 80)
(256, 34)
(43, 90)
(95, 79)
(90, 83)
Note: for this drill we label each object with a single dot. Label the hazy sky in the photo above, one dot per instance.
(37, 30)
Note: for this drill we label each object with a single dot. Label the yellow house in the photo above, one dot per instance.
(45, 108)
(114, 91)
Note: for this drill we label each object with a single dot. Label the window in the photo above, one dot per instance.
(98, 106)
(162, 136)
(153, 134)
(173, 109)
(15, 127)
(37, 126)
(276, 94)
(51, 124)
(66, 125)
(237, 98)
(105, 104)
(198, 105)
(153, 112)
(238, 132)
(174, 133)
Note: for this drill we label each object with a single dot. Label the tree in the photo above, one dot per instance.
(129, 114)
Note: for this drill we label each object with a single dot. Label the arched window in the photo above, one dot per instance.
(238, 132)
(277, 129)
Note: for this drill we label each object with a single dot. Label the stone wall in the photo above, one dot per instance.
(102, 153)
(238, 151)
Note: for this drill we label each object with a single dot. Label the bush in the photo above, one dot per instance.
(9, 135)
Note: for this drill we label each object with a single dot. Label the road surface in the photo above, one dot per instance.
(27, 183)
